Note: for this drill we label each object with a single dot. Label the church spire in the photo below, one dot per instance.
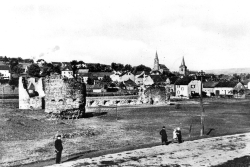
(183, 62)
(156, 62)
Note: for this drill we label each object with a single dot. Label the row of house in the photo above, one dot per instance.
(187, 87)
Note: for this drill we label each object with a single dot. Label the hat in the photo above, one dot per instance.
(178, 128)
(163, 127)
(59, 136)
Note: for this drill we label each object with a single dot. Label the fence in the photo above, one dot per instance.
(8, 92)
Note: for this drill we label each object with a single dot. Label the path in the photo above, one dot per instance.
(197, 153)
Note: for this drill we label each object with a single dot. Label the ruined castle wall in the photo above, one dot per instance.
(30, 99)
(63, 94)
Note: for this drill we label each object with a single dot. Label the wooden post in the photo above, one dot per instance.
(3, 95)
(116, 112)
(202, 109)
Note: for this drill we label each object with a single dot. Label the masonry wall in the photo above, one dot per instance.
(29, 99)
(63, 94)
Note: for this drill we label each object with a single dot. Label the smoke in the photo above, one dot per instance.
(50, 50)
(56, 48)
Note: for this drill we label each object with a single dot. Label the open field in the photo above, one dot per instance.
(27, 136)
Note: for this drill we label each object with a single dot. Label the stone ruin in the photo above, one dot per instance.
(31, 93)
(64, 96)
(57, 95)
(154, 95)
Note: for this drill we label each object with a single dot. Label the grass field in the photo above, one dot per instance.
(28, 136)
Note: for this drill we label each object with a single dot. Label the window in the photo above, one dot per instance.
(178, 86)
(192, 86)
(182, 88)
(178, 92)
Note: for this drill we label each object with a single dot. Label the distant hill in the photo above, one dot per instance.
(229, 71)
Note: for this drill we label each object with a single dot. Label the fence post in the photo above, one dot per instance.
(116, 112)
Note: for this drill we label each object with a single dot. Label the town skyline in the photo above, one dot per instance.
(208, 36)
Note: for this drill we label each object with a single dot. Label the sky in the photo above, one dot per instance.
(208, 34)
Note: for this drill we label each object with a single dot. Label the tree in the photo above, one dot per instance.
(74, 66)
(5, 59)
(114, 66)
(90, 81)
(18, 69)
(20, 59)
(127, 67)
(41, 62)
(106, 79)
(34, 70)
(13, 63)
(14, 82)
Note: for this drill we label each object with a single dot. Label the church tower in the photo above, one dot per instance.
(183, 68)
(156, 63)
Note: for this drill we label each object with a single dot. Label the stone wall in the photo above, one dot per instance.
(63, 94)
(157, 94)
(30, 97)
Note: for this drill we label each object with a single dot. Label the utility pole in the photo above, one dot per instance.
(201, 74)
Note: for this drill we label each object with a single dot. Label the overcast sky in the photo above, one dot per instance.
(209, 34)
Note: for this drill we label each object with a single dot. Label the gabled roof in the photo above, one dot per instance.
(246, 81)
(4, 67)
(67, 68)
(183, 81)
(226, 84)
(157, 78)
(100, 74)
(162, 66)
(82, 71)
(173, 79)
(209, 84)
(129, 83)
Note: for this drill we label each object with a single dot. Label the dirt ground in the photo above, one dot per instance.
(28, 136)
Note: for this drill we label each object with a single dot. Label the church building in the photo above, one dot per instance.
(158, 68)
(183, 68)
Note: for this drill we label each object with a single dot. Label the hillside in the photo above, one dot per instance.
(229, 71)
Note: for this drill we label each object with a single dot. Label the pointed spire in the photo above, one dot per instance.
(156, 55)
(183, 62)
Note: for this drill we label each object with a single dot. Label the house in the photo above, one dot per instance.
(115, 76)
(208, 87)
(5, 71)
(181, 86)
(194, 88)
(126, 76)
(239, 90)
(100, 75)
(130, 85)
(224, 88)
(246, 83)
(67, 72)
(56, 64)
(140, 77)
(153, 79)
(170, 84)
(83, 74)
(95, 88)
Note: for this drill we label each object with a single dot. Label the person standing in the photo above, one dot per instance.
(164, 136)
(179, 136)
(59, 148)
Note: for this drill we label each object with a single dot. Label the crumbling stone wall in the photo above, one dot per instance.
(64, 95)
(31, 93)
(157, 94)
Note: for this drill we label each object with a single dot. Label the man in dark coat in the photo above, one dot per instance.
(179, 136)
(164, 136)
(59, 148)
